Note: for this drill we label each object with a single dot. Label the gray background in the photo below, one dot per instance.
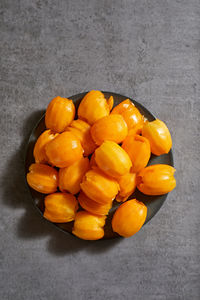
(147, 50)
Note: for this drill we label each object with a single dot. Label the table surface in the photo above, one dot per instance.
(147, 50)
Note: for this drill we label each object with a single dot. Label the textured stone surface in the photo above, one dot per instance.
(148, 50)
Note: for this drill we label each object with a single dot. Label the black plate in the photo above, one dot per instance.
(153, 203)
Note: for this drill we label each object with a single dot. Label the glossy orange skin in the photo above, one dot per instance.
(139, 151)
(92, 161)
(88, 226)
(129, 218)
(93, 206)
(156, 180)
(93, 107)
(158, 135)
(64, 150)
(39, 151)
(109, 128)
(129, 112)
(112, 159)
(99, 187)
(71, 177)
(42, 178)
(127, 184)
(59, 114)
(60, 207)
(81, 130)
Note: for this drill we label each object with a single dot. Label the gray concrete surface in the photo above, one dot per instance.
(148, 50)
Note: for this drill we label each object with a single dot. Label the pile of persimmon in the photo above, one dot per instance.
(83, 165)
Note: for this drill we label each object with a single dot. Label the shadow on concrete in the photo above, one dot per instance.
(61, 244)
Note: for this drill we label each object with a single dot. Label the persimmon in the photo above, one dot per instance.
(81, 130)
(156, 179)
(127, 185)
(93, 206)
(129, 218)
(59, 114)
(99, 187)
(71, 177)
(139, 151)
(129, 112)
(109, 128)
(112, 159)
(42, 178)
(64, 150)
(60, 207)
(88, 226)
(93, 107)
(39, 152)
(158, 135)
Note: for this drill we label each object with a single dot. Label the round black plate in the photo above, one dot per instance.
(153, 203)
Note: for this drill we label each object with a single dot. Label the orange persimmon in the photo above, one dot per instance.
(129, 112)
(81, 130)
(138, 149)
(158, 135)
(39, 152)
(109, 128)
(64, 150)
(112, 159)
(156, 180)
(129, 218)
(88, 226)
(59, 114)
(42, 178)
(93, 107)
(127, 184)
(60, 207)
(93, 206)
(71, 177)
(99, 187)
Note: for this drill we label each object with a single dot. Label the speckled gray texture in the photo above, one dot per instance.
(148, 50)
